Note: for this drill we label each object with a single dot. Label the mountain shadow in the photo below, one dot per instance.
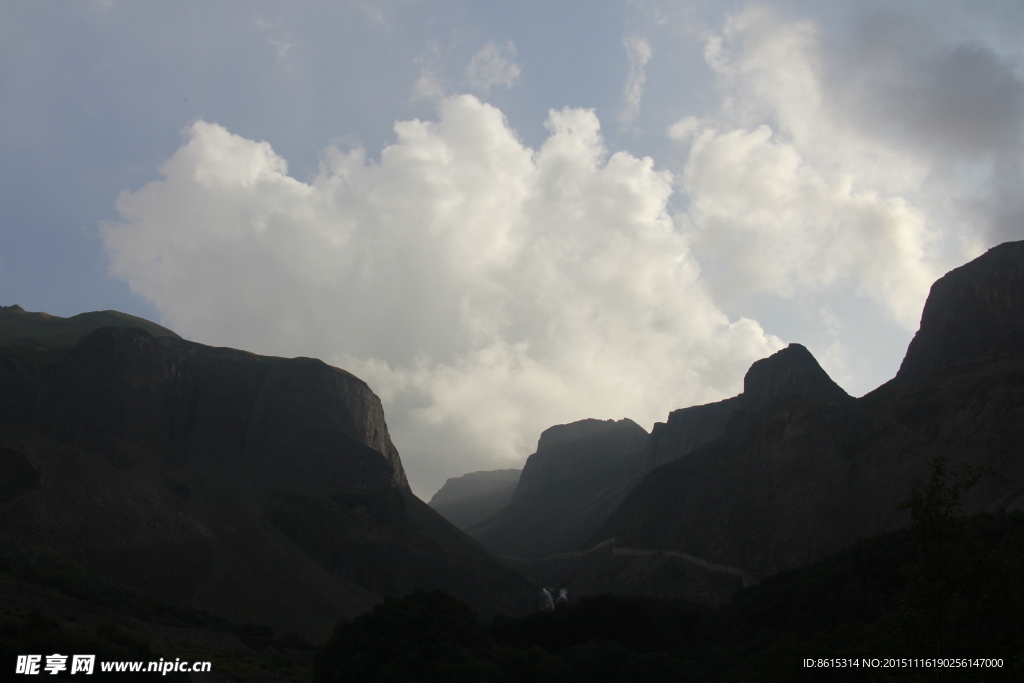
(579, 474)
(801, 470)
(260, 489)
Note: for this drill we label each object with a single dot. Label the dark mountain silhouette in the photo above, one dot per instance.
(790, 374)
(260, 489)
(973, 315)
(801, 470)
(470, 499)
(579, 474)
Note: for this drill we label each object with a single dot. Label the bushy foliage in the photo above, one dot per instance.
(852, 604)
(421, 637)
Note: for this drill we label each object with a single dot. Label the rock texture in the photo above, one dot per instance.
(262, 489)
(472, 498)
(791, 374)
(801, 470)
(685, 430)
(579, 473)
(974, 314)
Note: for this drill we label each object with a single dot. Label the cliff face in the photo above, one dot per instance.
(789, 375)
(685, 430)
(472, 498)
(262, 489)
(568, 487)
(974, 314)
(801, 470)
(587, 448)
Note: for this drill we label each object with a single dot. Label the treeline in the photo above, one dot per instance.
(955, 589)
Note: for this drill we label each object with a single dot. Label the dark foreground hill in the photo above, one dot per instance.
(801, 470)
(259, 489)
(863, 610)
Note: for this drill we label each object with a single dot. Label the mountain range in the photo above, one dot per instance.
(792, 469)
(260, 489)
(268, 490)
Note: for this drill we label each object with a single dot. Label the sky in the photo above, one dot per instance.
(506, 216)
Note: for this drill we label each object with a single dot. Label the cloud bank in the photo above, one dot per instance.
(487, 289)
(786, 195)
(484, 289)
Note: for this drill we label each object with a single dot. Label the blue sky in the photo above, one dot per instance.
(505, 216)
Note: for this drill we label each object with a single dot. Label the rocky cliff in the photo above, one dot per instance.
(791, 374)
(801, 470)
(974, 314)
(472, 498)
(568, 487)
(262, 489)
(685, 430)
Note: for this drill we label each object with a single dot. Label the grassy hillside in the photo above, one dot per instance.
(41, 338)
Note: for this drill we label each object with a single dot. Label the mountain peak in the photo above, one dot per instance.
(790, 373)
(559, 435)
(974, 314)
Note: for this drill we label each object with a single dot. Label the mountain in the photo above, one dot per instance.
(792, 373)
(579, 474)
(260, 489)
(470, 499)
(801, 470)
(685, 430)
(973, 315)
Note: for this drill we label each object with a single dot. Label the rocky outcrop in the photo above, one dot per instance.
(470, 499)
(801, 470)
(262, 489)
(586, 448)
(579, 473)
(792, 373)
(685, 430)
(974, 314)
(789, 375)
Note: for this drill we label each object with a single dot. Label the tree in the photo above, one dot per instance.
(935, 510)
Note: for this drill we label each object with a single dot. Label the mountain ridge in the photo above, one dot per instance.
(261, 489)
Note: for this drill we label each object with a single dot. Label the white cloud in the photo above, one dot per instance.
(281, 43)
(428, 86)
(638, 51)
(494, 65)
(486, 290)
(785, 194)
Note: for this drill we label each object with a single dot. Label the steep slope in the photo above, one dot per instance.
(801, 470)
(792, 373)
(262, 489)
(685, 430)
(579, 473)
(973, 315)
(470, 499)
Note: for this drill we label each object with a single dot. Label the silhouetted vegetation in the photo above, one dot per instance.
(50, 570)
(855, 604)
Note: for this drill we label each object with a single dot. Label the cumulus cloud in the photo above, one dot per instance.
(484, 289)
(786, 195)
(638, 51)
(494, 65)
